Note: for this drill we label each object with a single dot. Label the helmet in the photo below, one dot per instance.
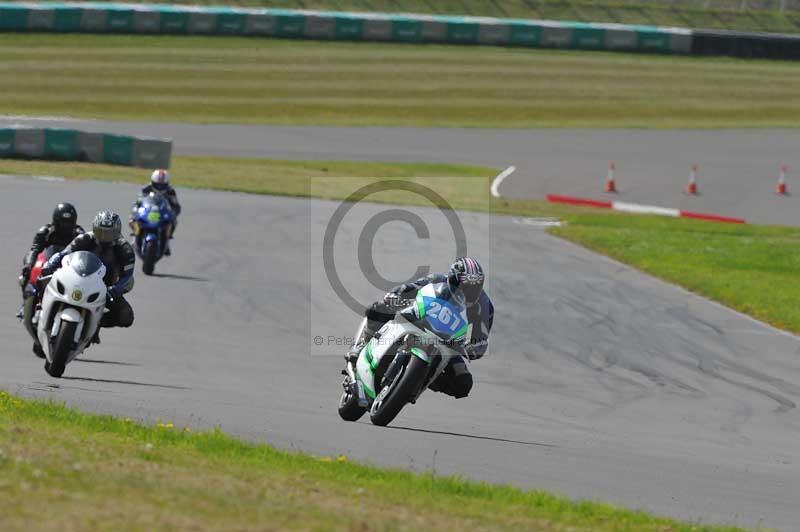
(107, 227)
(160, 179)
(65, 218)
(466, 276)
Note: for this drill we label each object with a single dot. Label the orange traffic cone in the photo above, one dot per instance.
(691, 188)
(780, 188)
(611, 185)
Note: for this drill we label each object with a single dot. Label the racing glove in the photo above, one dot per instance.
(396, 300)
(476, 349)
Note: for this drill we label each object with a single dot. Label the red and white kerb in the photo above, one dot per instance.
(642, 209)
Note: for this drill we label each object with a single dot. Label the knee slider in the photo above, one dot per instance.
(125, 318)
(462, 385)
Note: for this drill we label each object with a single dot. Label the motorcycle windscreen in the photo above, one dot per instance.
(85, 263)
(150, 202)
(154, 210)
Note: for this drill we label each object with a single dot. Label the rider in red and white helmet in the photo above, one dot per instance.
(159, 184)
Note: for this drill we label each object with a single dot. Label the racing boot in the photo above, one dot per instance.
(363, 335)
(38, 351)
(167, 251)
(22, 281)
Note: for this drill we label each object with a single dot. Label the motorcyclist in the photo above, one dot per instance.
(159, 184)
(464, 279)
(59, 232)
(107, 243)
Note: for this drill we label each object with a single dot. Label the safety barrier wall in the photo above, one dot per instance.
(172, 19)
(738, 44)
(93, 17)
(73, 145)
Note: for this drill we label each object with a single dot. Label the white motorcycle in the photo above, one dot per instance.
(404, 358)
(72, 305)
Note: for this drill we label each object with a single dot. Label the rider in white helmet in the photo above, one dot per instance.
(159, 184)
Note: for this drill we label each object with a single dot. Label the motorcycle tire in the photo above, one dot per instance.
(394, 397)
(348, 407)
(61, 349)
(149, 258)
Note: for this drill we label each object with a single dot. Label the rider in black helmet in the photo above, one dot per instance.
(107, 243)
(60, 232)
(464, 280)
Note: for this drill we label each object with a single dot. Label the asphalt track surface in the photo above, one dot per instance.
(600, 382)
(738, 169)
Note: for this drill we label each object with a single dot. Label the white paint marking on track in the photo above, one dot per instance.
(644, 209)
(539, 222)
(499, 179)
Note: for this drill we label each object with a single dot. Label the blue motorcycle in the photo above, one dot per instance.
(151, 224)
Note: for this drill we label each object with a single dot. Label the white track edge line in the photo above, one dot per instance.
(644, 209)
(499, 179)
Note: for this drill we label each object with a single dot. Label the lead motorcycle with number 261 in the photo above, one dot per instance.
(409, 352)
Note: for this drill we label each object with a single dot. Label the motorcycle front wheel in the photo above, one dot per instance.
(61, 349)
(149, 258)
(392, 398)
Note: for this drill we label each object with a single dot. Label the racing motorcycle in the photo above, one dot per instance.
(64, 309)
(151, 224)
(31, 302)
(404, 358)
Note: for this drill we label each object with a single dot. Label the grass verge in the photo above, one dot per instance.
(56, 462)
(255, 176)
(464, 187)
(255, 81)
(747, 267)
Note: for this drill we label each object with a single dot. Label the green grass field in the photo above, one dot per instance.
(248, 80)
(265, 176)
(63, 470)
(714, 14)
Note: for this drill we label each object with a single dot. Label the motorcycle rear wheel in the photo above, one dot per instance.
(348, 406)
